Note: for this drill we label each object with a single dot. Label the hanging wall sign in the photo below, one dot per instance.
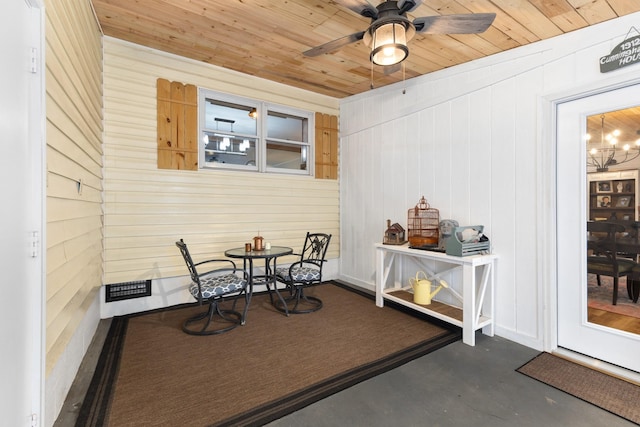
(625, 53)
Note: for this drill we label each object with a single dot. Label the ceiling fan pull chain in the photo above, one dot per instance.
(404, 89)
(371, 64)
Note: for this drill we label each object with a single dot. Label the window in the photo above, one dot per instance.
(287, 141)
(245, 134)
(229, 134)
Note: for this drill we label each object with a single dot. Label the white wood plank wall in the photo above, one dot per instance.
(472, 140)
(148, 209)
(74, 154)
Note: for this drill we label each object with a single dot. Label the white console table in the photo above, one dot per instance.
(478, 273)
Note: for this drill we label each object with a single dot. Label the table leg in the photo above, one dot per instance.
(385, 266)
(267, 279)
(633, 288)
(249, 292)
(487, 303)
(380, 277)
(469, 310)
(270, 277)
(275, 287)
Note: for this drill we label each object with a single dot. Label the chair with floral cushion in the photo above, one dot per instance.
(211, 288)
(305, 272)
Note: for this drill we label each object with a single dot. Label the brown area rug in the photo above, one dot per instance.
(612, 394)
(601, 297)
(151, 373)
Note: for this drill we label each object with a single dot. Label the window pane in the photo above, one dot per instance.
(229, 149)
(286, 126)
(286, 156)
(229, 117)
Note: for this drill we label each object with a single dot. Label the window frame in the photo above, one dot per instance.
(262, 140)
(203, 95)
(310, 118)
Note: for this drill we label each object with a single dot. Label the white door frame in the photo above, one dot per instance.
(23, 216)
(548, 220)
(38, 219)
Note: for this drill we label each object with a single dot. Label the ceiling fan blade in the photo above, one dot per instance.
(390, 69)
(408, 5)
(361, 7)
(334, 44)
(454, 24)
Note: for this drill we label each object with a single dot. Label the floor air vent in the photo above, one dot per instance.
(128, 290)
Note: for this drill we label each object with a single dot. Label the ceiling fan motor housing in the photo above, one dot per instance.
(388, 12)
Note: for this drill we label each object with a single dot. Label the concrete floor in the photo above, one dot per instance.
(457, 385)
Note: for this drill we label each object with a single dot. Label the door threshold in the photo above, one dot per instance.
(599, 365)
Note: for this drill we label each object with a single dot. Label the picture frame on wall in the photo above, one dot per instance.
(623, 202)
(603, 187)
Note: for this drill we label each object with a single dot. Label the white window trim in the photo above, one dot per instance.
(310, 116)
(262, 109)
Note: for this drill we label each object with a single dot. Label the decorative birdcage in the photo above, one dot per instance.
(422, 224)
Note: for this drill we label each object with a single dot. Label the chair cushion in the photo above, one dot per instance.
(603, 264)
(300, 274)
(213, 286)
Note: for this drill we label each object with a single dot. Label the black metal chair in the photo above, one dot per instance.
(605, 260)
(211, 288)
(302, 274)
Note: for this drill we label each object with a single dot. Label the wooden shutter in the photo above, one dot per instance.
(326, 146)
(177, 125)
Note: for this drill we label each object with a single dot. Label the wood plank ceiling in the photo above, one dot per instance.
(266, 38)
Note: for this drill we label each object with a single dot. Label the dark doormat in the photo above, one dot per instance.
(612, 394)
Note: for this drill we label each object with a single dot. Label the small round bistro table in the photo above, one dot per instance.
(269, 276)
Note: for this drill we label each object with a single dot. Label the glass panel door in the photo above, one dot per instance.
(582, 186)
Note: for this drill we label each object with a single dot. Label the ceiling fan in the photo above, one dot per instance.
(390, 29)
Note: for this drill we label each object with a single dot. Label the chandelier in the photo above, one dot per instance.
(607, 152)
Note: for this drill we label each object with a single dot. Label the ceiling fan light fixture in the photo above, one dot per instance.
(389, 44)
